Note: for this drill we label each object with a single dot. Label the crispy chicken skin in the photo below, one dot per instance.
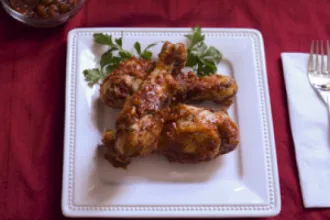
(152, 120)
(110, 153)
(218, 88)
(192, 134)
(124, 81)
(141, 120)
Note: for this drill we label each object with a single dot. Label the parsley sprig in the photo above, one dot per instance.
(113, 56)
(146, 54)
(201, 58)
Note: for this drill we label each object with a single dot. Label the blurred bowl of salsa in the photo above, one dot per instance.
(42, 13)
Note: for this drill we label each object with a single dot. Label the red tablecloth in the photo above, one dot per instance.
(32, 79)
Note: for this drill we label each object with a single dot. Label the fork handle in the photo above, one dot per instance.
(328, 102)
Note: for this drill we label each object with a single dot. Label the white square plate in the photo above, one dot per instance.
(241, 183)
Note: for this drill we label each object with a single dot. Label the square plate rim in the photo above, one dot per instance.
(187, 211)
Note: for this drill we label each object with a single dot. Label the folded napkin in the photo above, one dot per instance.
(309, 121)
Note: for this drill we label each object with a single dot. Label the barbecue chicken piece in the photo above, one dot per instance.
(124, 81)
(141, 120)
(218, 88)
(110, 153)
(192, 134)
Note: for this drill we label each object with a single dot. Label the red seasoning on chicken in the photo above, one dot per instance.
(124, 81)
(190, 135)
(141, 120)
(193, 134)
(153, 120)
(218, 88)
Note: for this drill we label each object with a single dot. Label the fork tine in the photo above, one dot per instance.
(310, 58)
(328, 56)
(322, 58)
(317, 57)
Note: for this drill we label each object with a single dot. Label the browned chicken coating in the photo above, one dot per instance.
(141, 120)
(124, 81)
(111, 155)
(190, 135)
(193, 134)
(218, 88)
(146, 124)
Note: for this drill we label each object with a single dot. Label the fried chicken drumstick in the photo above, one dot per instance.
(147, 124)
(218, 88)
(193, 134)
(141, 120)
(190, 135)
(125, 81)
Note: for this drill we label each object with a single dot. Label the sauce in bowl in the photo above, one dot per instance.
(43, 9)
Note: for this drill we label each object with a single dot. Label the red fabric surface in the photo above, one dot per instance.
(32, 91)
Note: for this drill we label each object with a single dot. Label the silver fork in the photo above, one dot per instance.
(319, 75)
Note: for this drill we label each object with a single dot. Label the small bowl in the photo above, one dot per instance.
(40, 22)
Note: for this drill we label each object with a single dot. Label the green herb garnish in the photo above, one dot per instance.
(146, 53)
(92, 76)
(110, 59)
(201, 58)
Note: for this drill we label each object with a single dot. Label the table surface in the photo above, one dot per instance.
(32, 82)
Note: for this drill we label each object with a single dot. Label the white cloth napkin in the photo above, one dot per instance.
(309, 121)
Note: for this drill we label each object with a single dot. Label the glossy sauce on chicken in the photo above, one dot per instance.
(152, 118)
(193, 134)
(141, 120)
(124, 81)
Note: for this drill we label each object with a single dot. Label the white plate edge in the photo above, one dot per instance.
(165, 212)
